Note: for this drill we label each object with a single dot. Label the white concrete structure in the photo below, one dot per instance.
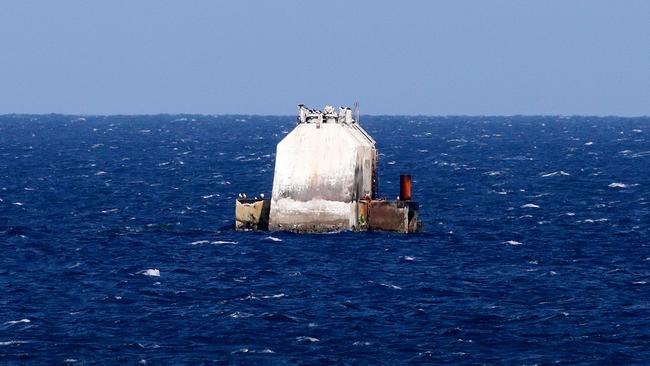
(322, 168)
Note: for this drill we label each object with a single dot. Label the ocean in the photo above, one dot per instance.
(117, 243)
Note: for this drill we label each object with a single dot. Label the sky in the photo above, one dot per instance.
(456, 57)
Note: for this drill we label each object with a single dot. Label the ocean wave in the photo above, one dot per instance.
(555, 174)
(617, 185)
(10, 343)
(151, 272)
(306, 339)
(223, 242)
(12, 322)
(530, 205)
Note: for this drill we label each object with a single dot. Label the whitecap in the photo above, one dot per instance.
(512, 242)
(238, 314)
(617, 185)
(12, 322)
(592, 221)
(361, 343)
(640, 154)
(144, 131)
(277, 296)
(555, 174)
(209, 196)
(272, 238)
(394, 287)
(392, 162)
(408, 258)
(101, 172)
(9, 343)
(224, 242)
(110, 210)
(307, 339)
(200, 242)
(152, 272)
(639, 282)
(530, 205)
(18, 204)
(246, 350)
(589, 143)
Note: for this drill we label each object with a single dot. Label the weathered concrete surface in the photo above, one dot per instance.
(321, 171)
(399, 216)
(252, 214)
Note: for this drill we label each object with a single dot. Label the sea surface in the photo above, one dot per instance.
(117, 245)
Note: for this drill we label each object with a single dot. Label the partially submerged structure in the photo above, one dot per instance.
(325, 179)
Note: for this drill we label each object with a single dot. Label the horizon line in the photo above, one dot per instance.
(290, 115)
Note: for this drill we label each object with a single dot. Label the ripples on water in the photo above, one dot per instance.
(117, 245)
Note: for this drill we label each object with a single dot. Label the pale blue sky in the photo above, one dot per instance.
(264, 57)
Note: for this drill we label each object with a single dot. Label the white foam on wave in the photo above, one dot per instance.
(111, 210)
(209, 196)
(12, 322)
(246, 350)
(589, 143)
(198, 242)
(9, 343)
(617, 185)
(592, 221)
(361, 343)
(18, 204)
(530, 205)
(276, 296)
(639, 282)
(224, 242)
(272, 238)
(409, 258)
(493, 173)
(391, 286)
(101, 172)
(307, 339)
(238, 314)
(151, 272)
(512, 242)
(555, 174)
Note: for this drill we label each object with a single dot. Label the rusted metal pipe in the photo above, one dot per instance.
(405, 187)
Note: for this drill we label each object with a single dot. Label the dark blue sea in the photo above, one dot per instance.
(117, 246)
